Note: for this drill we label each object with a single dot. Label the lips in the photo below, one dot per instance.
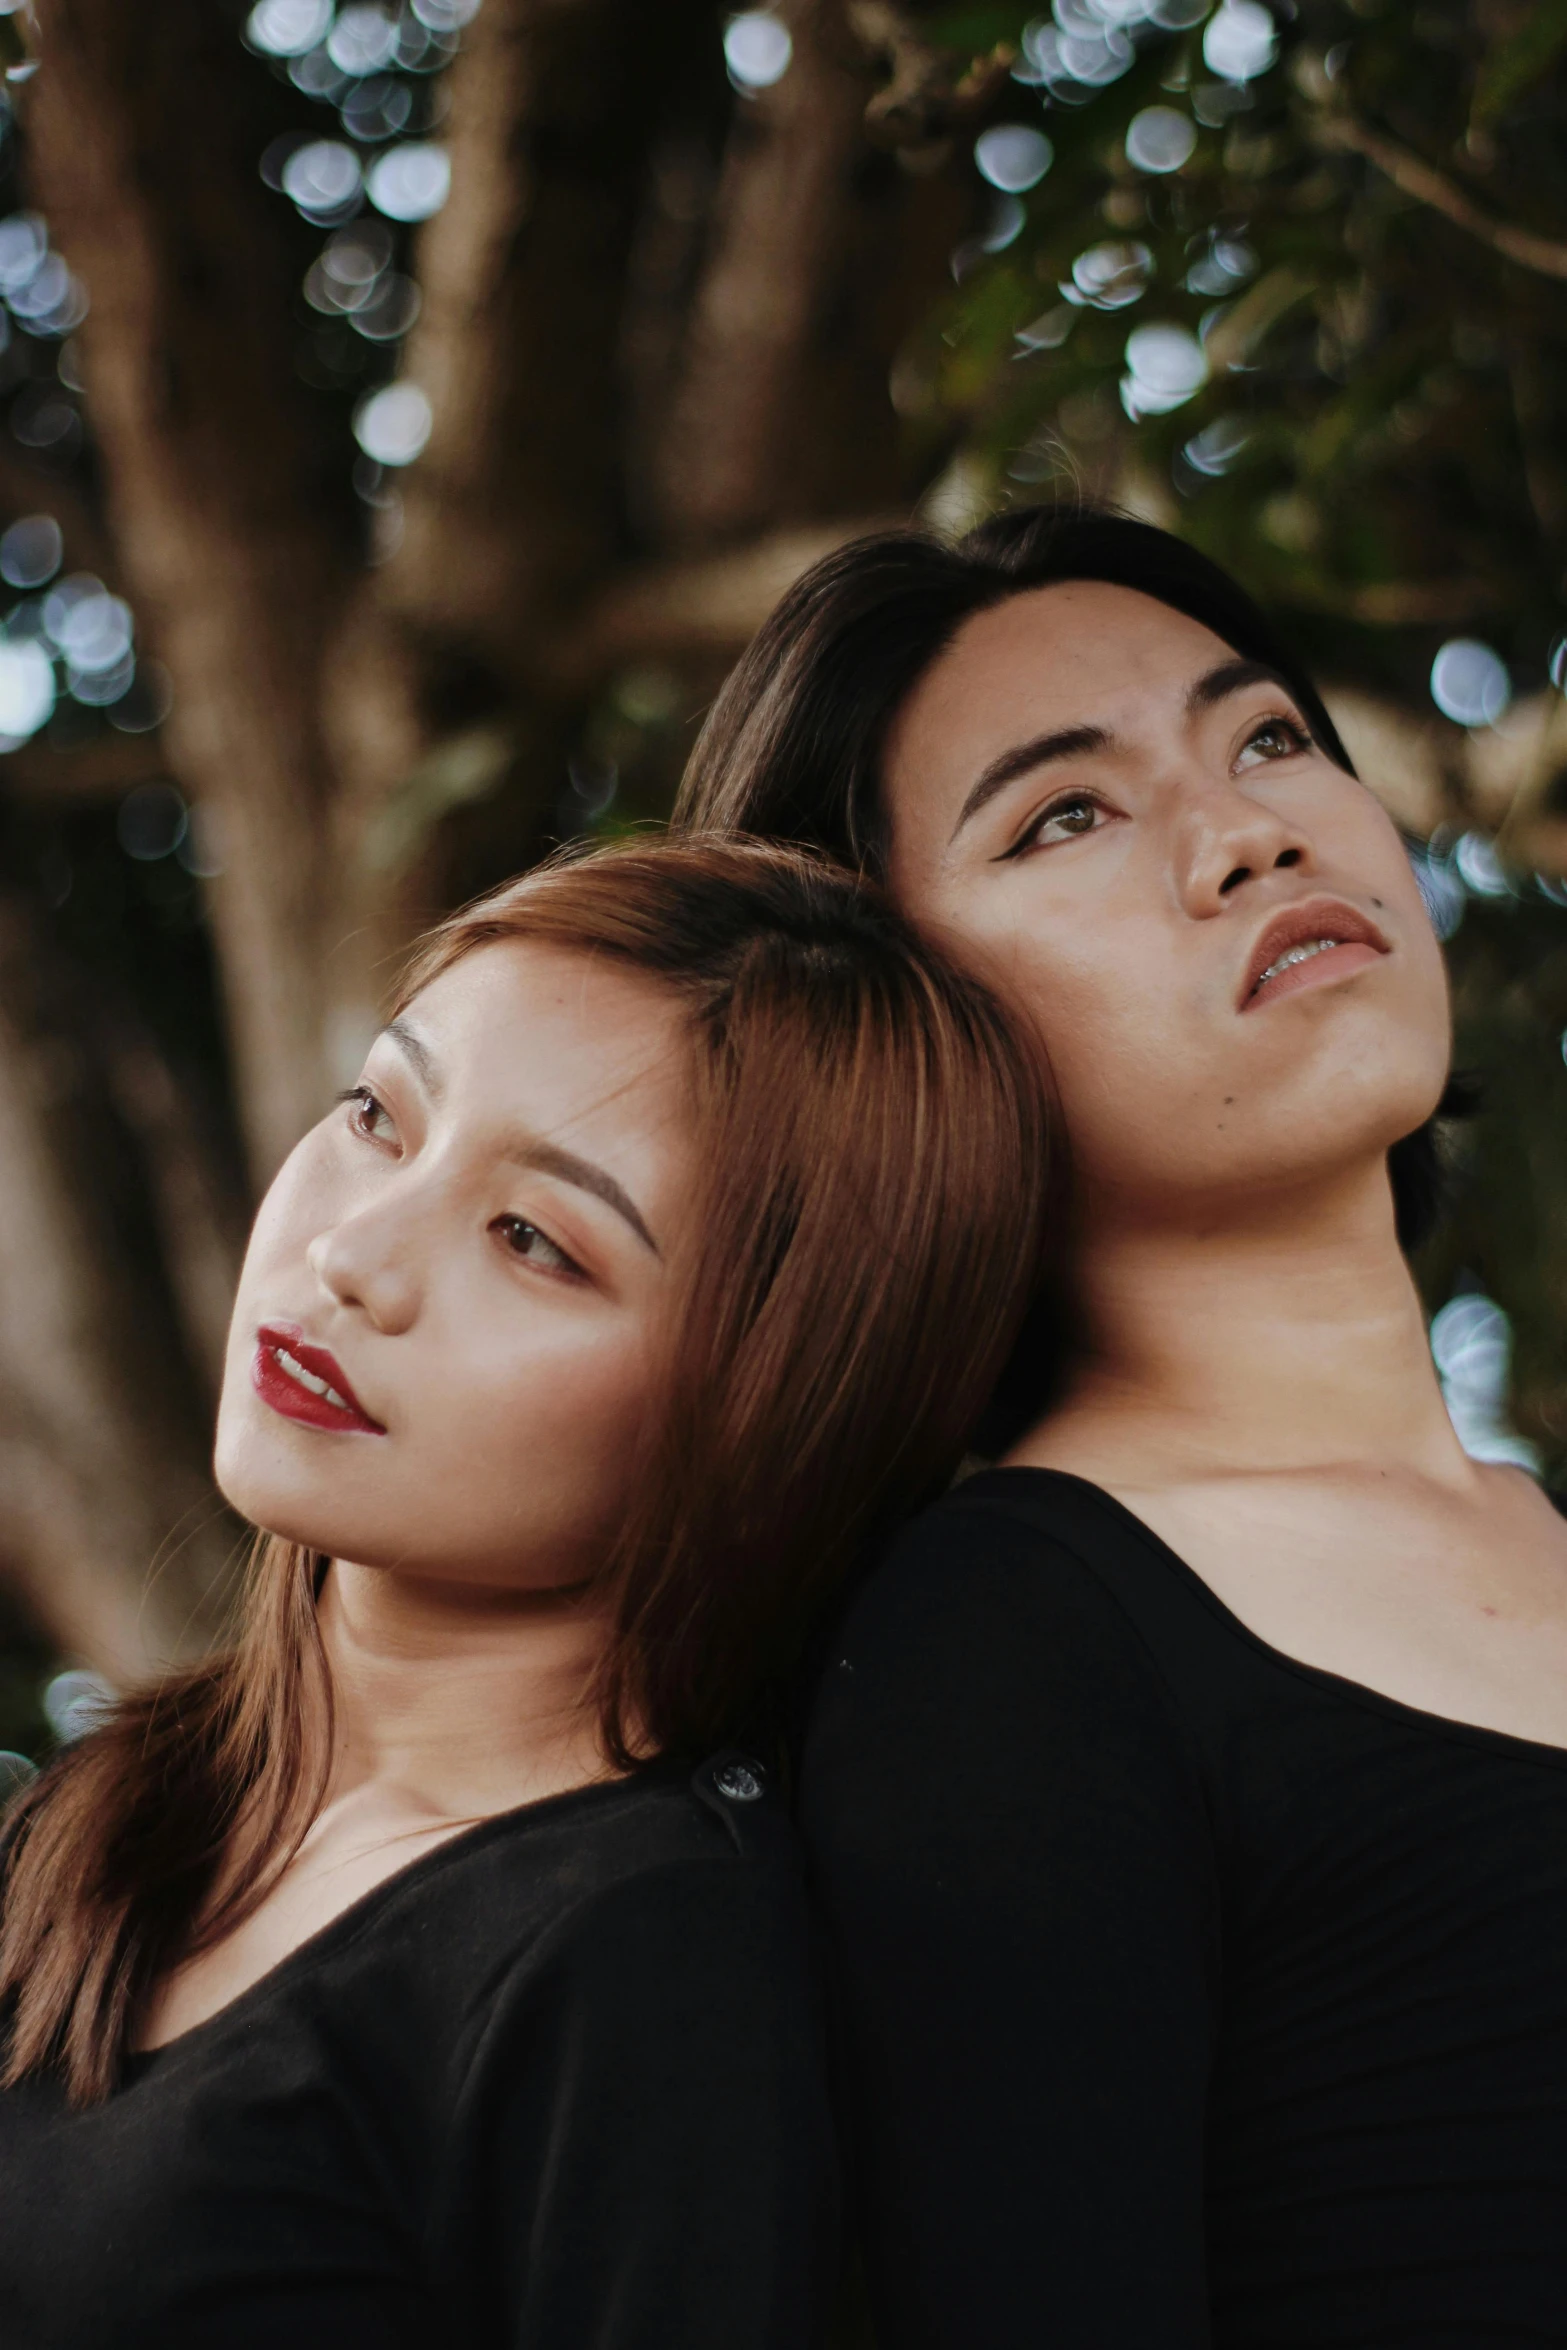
(306, 1383)
(1307, 946)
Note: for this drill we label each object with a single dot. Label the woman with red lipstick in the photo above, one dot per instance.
(1187, 1795)
(430, 1967)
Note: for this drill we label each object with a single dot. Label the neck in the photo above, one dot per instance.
(455, 1700)
(1281, 1333)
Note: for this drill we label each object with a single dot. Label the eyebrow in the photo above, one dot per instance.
(531, 1150)
(549, 1158)
(1073, 742)
(413, 1044)
(1232, 677)
(1067, 742)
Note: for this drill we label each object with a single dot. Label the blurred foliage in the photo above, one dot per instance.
(1379, 445)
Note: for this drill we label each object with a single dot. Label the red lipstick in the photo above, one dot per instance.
(306, 1383)
(1309, 945)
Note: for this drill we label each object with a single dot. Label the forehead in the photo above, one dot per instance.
(520, 1032)
(1082, 652)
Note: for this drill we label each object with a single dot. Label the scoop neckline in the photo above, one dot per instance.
(136, 2064)
(1342, 1685)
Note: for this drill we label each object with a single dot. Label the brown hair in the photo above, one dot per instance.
(868, 1231)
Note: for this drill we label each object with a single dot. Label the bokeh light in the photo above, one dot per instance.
(1240, 41)
(376, 109)
(758, 49)
(1472, 1346)
(1008, 219)
(1165, 366)
(75, 1702)
(1214, 450)
(151, 822)
(146, 702)
(27, 690)
(31, 551)
(199, 848)
(1160, 139)
(94, 631)
(1013, 156)
(1482, 870)
(410, 182)
(322, 178)
(1441, 886)
(1111, 276)
(1223, 264)
(363, 40)
(1469, 682)
(287, 28)
(393, 425)
(24, 243)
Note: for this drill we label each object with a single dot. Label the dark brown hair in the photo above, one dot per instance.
(868, 1228)
(792, 748)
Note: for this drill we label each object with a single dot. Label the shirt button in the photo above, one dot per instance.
(740, 1782)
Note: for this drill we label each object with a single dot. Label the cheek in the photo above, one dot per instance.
(1116, 1025)
(517, 1457)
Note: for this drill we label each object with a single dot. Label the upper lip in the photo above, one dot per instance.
(317, 1359)
(1296, 926)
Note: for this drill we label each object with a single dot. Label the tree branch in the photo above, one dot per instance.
(695, 611)
(1414, 177)
(820, 255)
(218, 466)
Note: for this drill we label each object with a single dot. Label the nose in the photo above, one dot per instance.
(370, 1262)
(1225, 840)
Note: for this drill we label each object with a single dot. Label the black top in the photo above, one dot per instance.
(555, 2085)
(1189, 1994)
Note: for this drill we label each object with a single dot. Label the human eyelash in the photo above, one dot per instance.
(564, 1266)
(1299, 734)
(1036, 823)
(369, 1104)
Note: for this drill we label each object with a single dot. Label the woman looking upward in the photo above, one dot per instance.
(423, 1969)
(1189, 1794)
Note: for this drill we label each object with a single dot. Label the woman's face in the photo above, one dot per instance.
(446, 1341)
(1216, 931)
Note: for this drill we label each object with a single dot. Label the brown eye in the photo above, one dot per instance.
(367, 1116)
(525, 1240)
(1076, 816)
(1275, 738)
(1068, 818)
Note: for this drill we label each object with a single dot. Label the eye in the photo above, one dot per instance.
(1273, 738)
(1067, 818)
(367, 1116)
(525, 1240)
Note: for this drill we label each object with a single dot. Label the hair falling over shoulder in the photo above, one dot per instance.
(875, 1209)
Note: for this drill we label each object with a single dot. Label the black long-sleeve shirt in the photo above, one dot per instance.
(555, 2086)
(1189, 1995)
